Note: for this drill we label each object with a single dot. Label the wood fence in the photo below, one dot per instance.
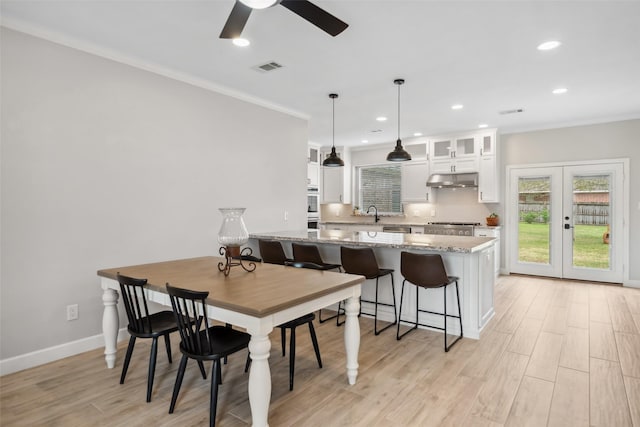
(584, 213)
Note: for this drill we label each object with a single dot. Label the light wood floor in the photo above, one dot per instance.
(557, 353)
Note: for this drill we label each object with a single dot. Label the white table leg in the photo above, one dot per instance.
(352, 337)
(110, 325)
(259, 379)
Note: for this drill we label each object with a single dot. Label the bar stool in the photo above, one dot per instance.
(427, 271)
(311, 254)
(362, 261)
(272, 252)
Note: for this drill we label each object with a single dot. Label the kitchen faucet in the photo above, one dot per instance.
(377, 218)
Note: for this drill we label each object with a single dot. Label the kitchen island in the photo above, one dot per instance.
(469, 258)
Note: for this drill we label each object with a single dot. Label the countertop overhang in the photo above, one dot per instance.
(431, 242)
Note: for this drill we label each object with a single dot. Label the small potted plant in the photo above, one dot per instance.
(356, 210)
(493, 220)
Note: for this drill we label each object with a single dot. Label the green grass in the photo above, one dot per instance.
(588, 251)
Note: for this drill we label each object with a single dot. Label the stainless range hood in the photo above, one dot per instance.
(453, 180)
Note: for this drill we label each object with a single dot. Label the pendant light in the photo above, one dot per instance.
(333, 160)
(398, 154)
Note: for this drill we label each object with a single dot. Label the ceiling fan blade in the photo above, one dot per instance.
(236, 21)
(318, 17)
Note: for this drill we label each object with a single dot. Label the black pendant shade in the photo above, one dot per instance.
(398, 154)
(333, 160)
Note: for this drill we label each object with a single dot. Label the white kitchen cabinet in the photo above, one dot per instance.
(458, 165)
(335, 182)
(314, 155)
(488, 184)
(495, 233)
(487, 142)
(458, 154)
(313, 175)
(488, 181)
(313, 166)
(414, 177)
(332, 184)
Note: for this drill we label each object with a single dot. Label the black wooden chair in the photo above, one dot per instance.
(362, 261)
(311, 253)
(427, 271)
(292, 325)
(144, 325)
(201, 342)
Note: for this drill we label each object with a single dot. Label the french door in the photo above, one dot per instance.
(567, 221)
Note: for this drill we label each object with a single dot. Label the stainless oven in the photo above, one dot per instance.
(313, 201)
(312, 222)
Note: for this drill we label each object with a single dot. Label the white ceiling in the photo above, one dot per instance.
(477, 53)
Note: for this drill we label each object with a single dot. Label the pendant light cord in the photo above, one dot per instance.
(398, 111)
(333, 119)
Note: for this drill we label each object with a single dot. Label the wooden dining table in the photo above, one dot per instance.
(257, 301)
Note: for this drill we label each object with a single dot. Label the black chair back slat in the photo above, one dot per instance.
(144, 325)
(132, 291)
(189, 308)
(201, 341)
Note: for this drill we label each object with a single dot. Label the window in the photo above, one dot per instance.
(380, 186)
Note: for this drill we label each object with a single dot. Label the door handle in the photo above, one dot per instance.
(568, 226)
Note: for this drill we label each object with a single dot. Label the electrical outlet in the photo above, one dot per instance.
(433, 212)
(72, 312)
(286, 215)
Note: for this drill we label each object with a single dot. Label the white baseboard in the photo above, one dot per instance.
(631, 283)
(51, 354)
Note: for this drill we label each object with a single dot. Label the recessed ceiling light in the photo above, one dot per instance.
(241, 42)
(559, 90)
(457, 107)
(483, 125)
(364, 141)
(381, 119)
(552, 44)
(417, 134)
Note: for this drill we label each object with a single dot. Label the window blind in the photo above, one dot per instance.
(380, 186)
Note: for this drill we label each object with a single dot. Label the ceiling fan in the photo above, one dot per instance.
(303, 8)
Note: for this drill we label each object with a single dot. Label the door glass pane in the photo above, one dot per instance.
(534, 207)
(591, 209)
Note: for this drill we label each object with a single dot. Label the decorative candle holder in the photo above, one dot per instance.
(232, 235)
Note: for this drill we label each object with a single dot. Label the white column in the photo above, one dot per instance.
(259, 379)
(352, 337)
(110, 324)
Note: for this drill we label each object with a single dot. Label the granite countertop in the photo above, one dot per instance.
(395, 224)
(463, 244)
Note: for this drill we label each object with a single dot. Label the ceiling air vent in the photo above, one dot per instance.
(515, 110)
(269, 66)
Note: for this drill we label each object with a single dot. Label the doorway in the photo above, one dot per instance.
(567, 221)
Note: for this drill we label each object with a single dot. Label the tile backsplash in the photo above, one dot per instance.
(455, 205)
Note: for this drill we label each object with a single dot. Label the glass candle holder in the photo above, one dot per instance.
(233, 233)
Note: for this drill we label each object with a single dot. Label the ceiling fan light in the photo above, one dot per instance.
(398, 154)
(258, 4)
(241, 42)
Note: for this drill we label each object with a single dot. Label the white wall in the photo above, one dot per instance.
(104, 165)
